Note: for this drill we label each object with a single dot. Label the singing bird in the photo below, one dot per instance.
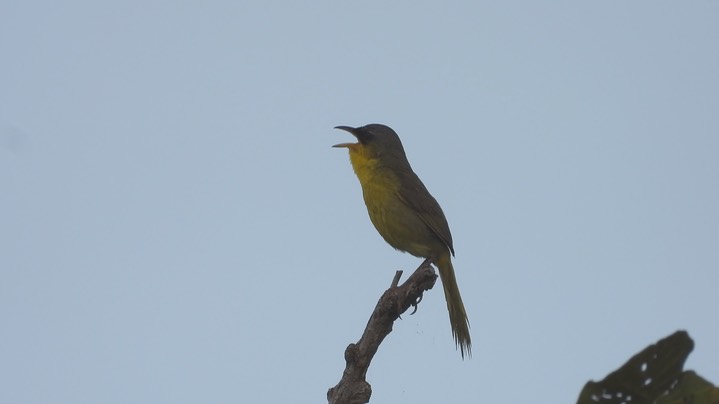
(405, 214)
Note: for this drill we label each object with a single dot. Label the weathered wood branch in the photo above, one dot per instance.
(353, 387)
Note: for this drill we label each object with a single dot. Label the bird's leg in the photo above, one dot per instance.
(427, 261)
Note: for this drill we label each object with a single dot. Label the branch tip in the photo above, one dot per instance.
(395, 280)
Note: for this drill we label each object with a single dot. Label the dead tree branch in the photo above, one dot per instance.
(353, 388)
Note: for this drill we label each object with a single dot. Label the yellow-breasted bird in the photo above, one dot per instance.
(404, 213)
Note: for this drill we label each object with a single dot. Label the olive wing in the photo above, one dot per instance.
(415, 195)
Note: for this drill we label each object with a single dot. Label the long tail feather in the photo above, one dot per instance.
(457, 314)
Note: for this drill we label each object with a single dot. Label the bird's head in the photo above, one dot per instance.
(376, 142)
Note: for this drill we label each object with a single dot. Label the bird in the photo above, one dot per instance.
(405, 214)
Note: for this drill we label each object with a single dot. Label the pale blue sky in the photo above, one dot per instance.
(175, 227)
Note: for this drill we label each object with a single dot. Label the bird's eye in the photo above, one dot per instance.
(365, 137)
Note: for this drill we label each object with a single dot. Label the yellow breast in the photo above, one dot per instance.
(399, 225)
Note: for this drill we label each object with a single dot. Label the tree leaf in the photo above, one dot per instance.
(654, 373)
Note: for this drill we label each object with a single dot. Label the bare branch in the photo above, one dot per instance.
(353, 388)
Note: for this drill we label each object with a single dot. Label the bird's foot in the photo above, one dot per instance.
(415, 304)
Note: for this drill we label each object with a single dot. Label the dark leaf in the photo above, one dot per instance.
(651, 374)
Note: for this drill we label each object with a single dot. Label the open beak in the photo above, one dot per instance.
(350, 130)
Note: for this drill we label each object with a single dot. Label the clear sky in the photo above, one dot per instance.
(175, 227)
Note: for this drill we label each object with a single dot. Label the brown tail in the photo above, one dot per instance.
(457, 314)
